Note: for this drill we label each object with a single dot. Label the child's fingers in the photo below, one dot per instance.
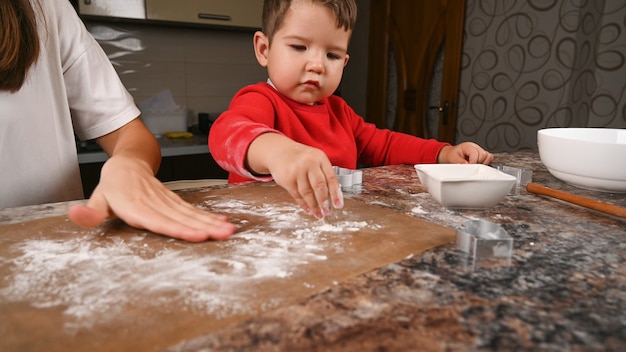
(295, 193)
(304, 195)
(319, 197)
(334, 188)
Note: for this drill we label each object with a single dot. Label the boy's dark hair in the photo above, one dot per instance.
(274, 12)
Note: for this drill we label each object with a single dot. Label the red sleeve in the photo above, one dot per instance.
(249, 115)
(378, 147)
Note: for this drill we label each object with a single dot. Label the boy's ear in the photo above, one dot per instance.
(345, 61)
(261, 46)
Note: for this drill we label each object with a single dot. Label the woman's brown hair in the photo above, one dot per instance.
(19, 42)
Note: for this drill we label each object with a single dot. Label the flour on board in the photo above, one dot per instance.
(95, 279)
(418, 210)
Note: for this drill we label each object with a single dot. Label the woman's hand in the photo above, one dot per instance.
(128, 190)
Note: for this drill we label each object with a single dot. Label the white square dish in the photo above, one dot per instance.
(472, 186)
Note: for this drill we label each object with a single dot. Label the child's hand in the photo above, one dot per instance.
(464, 153)
(305, 172)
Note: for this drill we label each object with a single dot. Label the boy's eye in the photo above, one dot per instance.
(299, 47)
(333, 56)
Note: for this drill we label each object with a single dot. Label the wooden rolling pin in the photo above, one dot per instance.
(578, 200)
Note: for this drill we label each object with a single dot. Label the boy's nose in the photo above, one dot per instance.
(315, 67)
(315, 64)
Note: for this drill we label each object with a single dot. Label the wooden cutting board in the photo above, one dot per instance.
(118, 288)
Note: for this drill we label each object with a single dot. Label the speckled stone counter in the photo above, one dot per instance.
(563, 289)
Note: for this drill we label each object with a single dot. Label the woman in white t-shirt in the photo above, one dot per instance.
(55, 81)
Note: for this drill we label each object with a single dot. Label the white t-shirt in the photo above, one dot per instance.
(72, 87)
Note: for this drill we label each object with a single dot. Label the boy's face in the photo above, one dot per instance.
(307, 55)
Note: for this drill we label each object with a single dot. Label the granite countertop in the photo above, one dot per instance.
(563, 288)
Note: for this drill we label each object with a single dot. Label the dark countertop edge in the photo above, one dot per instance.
(169, 147)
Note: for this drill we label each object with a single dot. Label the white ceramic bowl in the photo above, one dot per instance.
(465, 185)
(591, 158)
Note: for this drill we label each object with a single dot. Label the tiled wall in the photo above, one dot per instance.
(203, 68)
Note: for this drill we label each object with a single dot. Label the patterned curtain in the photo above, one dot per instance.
(531, 64)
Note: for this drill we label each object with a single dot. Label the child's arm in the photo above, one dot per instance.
(305, 172)
(464, 153)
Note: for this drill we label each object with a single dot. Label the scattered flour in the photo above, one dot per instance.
(418, 210)
(94, 277)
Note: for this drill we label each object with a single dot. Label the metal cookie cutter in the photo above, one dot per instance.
(350, 180)
(523, 177)
(483, 239)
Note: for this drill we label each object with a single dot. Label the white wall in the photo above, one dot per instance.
(203, 68)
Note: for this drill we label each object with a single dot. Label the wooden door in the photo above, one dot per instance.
(415, 32)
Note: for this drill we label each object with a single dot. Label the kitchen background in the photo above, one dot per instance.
(526, 65)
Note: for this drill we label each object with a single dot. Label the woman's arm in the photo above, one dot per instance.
(129, 190)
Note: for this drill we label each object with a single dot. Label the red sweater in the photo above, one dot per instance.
(331, 126)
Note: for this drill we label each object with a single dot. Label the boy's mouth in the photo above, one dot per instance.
(312, 84)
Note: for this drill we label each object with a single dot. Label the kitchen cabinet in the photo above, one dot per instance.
(243, 14)
(132, 9)
(182, 159)
(173, 168)
(190, 167)
(234, 13)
